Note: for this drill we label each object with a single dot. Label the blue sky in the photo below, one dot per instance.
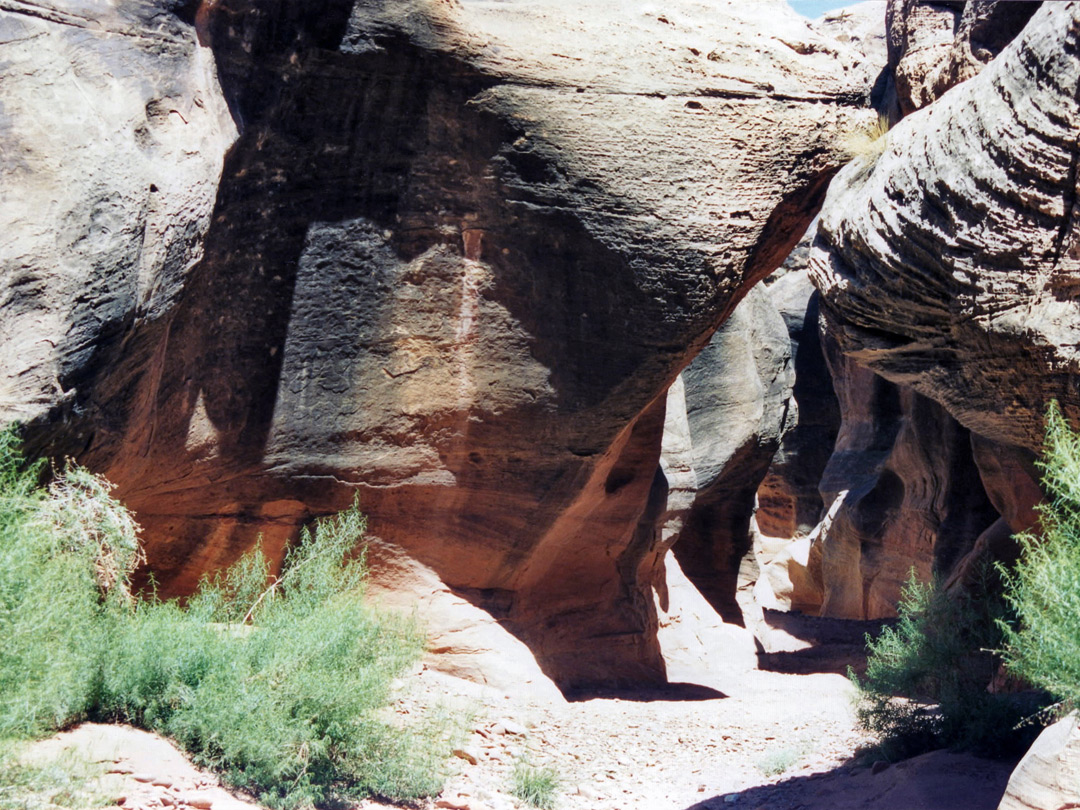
(815, 8)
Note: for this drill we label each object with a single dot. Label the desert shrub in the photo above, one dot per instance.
(281, 684)
(926, 677)
(68, 780)
(1043, 647)
(537, 787)
(781, 759)
(52, 611)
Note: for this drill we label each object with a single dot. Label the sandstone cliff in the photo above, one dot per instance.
(944, 257)
(266, 256)
(948, 259)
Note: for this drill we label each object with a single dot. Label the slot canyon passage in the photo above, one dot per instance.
(660, 344)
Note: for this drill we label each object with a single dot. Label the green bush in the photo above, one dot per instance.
(1043, 647)
(281, 684)
(537, 787)
(927, 677)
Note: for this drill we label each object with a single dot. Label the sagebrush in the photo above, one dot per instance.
(927, 676)
(537, 787)
(1043, 646)
(279, 683)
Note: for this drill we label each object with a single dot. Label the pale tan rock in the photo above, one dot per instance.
(920, 39)
(1048, 777)
(738, 393)
(465, 754)
(935, 46)
(789, 502)
(698, 646)
(789, 580)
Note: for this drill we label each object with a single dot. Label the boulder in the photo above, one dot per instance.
(263, 257)
(1048, 777)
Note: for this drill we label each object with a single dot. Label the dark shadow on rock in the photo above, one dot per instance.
(674, 692)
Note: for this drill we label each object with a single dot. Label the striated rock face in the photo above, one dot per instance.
(920, 38)
(1048, 777)
(789, 502)
(949, 262)
(738, 392)
(269, 256)
(113, 129)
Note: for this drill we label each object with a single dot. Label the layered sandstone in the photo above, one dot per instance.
(934, 46)
(738, 406)
(948, 260)
(903, 489)
(1048, 777)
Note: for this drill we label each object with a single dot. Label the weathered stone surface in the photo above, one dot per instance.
(790, 576)
(738, 392)
(112, 133)
(934, 46)
(903, 489)
(949, 263)
(1048, 777)
(678, 478)
(697, 645)
(1011, 481)
(450, 263)
(920, 40)
(789, 502)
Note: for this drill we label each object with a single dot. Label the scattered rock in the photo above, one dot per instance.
(506, 726)
(468, 756)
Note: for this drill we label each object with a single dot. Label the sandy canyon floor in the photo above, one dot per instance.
(766, 740)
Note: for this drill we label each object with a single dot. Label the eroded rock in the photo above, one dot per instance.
(903, 489)
(453, 259)
(789, 502)
(1048, 777)
(948, 262)
(933, 46)
(738, 391)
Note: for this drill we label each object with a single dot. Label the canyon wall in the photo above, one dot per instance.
(948, 259)
(263, 258)
(943, 260)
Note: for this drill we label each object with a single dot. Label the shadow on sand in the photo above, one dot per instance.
(676, 692)
(939, 780)
(819, 644)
